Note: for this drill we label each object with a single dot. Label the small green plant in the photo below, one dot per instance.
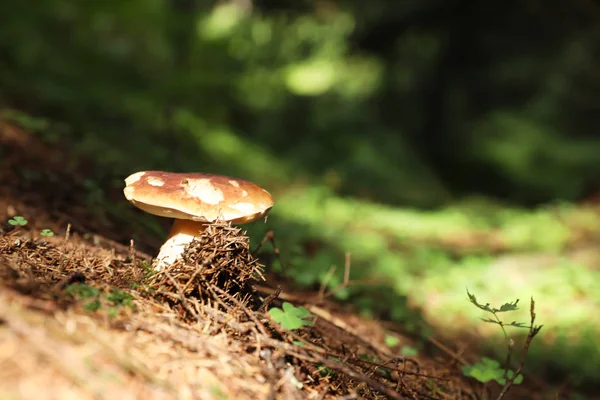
(291, 317)
(47, 232)
(488, 369)
(82, 291)
(391, 341)
(119, 298)
(409, 351)
(93, 301)
(147, 268)
(17, 220)
(87, 292)
(92, 305)
(325, 372)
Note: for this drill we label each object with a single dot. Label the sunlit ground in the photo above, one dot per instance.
(499, 254)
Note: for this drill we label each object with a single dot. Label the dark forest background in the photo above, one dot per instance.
(404, 102)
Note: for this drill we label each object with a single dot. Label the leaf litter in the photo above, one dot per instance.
(199, 318)
(199, 330)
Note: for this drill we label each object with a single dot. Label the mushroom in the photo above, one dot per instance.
(194, 200)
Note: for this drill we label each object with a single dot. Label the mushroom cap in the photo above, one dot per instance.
(197, 196)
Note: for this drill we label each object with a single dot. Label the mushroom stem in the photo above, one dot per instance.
(182, 233)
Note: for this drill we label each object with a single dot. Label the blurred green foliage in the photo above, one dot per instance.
(402, 102)
(382, 128)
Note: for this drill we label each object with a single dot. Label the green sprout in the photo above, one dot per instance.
(83, 291)
(17, 220)
(119, 298)
(92, 305)
(291, 317)
(391, 341)
(47, 232)
(409, 351)
(489, 369)
(94, 301)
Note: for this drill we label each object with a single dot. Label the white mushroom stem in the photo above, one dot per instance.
(182, 233)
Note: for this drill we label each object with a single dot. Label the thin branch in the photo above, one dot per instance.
(533, 331)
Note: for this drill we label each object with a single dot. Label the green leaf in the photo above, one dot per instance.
(490, 363)
(489, 370)
(93, 305)
(508, 307)
(119, 297)
(17, 220)
(518, 380)
(409, 351)
(473, 300)
(484, 371)
(491, 321)
(518, 324)
(113, 312)
(82, 290)
(290, 317)
(391, 341)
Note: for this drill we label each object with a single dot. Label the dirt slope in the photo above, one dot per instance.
(83, 317)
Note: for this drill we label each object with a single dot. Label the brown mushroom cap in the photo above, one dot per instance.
(197, 196)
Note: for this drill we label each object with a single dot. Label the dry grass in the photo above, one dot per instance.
(194, 331)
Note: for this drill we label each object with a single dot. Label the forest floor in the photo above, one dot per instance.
(82, 315)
